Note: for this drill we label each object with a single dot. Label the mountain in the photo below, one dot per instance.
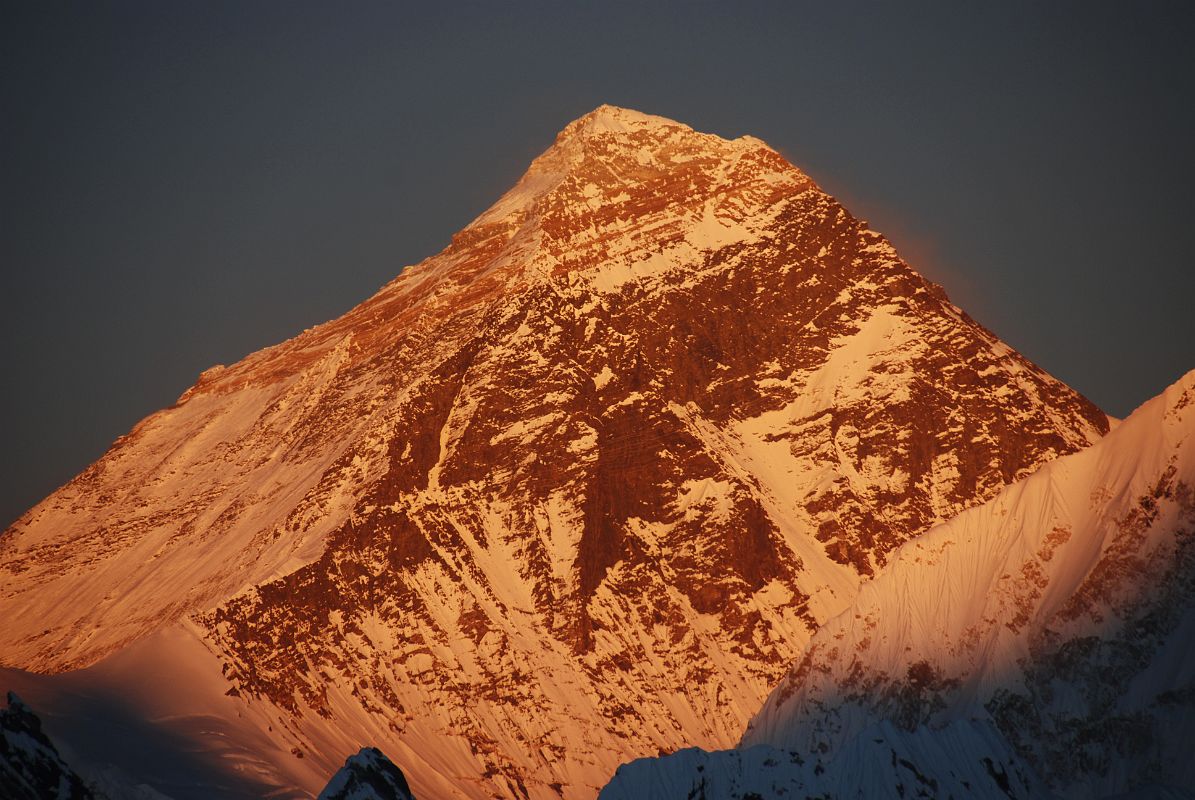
(369, 775)
(1041, 644)
(30, 767)
(574, 490)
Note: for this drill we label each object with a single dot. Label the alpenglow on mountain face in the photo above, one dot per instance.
(1036, 646)
(573, 491)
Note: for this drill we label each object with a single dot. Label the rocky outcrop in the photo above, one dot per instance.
(369, 775)
(30, 767)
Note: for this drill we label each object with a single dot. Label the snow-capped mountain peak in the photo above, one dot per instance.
(607, 118)
(576, 489)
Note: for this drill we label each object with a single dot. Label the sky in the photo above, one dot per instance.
(184, 183)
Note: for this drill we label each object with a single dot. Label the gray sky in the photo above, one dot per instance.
(183, 183)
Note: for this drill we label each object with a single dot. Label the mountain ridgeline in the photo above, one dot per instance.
(1037, 646)
(579, 489)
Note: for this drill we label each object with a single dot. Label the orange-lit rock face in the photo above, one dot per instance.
(1057, 618)
(575, 490)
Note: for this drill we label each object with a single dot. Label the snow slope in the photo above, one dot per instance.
(1047, 636)
(154, 721)
(576, 489)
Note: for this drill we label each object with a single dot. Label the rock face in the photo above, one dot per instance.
(30, 767)
(1045, 638)
(576, 489)
(369, 775)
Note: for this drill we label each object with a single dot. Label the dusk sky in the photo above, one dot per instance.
(184, 183)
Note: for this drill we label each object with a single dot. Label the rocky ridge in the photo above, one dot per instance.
(1036, 646)
(368, 775)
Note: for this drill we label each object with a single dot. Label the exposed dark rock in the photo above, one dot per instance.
(30, 767)
(369, 775)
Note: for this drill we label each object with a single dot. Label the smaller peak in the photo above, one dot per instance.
(613, 119)
(1181, 393)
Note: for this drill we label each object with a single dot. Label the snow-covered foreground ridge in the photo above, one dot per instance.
(1043, 642)
(368, 775)
(574, 490)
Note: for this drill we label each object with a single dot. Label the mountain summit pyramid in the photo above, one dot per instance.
(575, 490)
